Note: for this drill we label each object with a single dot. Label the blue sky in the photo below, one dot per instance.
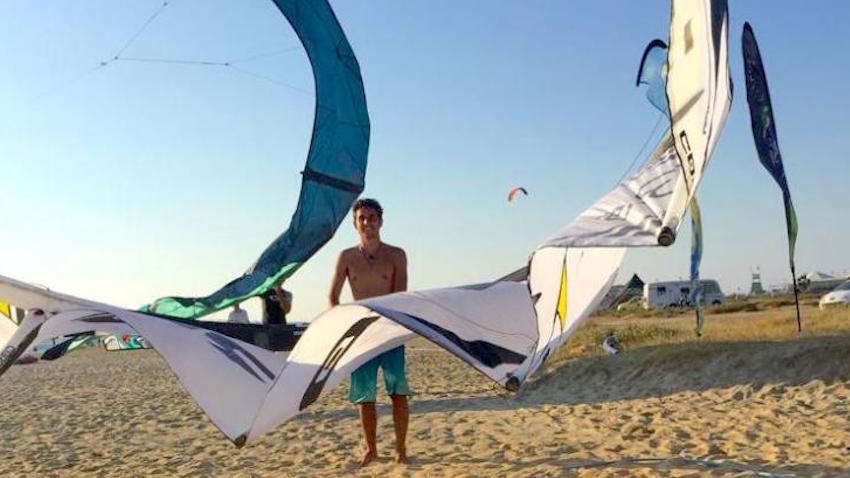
(136, 180)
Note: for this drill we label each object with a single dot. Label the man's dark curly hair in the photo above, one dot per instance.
(368, 203)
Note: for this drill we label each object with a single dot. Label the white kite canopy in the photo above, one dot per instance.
(633, 214)
(506, 329)
(28, 296)
(699, 91)
(8, 322)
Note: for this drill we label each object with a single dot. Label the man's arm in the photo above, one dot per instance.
(340, 273)
(285, 303)
(400, 272)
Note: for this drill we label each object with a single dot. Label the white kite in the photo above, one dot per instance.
(506, 328)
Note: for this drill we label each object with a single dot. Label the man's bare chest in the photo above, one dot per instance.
(371, 272)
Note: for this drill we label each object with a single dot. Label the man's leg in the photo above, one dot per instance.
(363, 394)
(401, 417)
(395, 380)
(369, 420)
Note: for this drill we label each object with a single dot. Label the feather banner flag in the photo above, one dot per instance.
(696, 257)
(767, 143)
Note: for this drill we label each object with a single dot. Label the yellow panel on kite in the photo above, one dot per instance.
(6, 309)
(562, 297)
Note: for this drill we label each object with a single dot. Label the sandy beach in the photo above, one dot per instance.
(763, 399)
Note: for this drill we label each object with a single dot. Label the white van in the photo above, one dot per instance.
(658, 295)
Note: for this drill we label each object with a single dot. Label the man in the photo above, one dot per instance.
(375, 268)
(276, 304)
(238, 315)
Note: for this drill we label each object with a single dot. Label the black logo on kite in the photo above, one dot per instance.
(334, 356)
(237, 354)
(686, 145)
(487, 353)
(102, 319)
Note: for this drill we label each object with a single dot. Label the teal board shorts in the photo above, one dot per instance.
(364, 380)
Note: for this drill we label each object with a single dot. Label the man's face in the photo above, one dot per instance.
(367, 222)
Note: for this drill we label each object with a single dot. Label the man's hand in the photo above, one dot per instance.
(285, 304)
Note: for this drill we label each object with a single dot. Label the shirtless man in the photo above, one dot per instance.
(375, 268)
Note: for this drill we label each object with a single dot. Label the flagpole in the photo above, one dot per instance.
(796, 298)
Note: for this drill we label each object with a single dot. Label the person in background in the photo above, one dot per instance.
(238, 315)
(276, 305)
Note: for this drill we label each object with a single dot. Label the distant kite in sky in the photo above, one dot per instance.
(513, 192)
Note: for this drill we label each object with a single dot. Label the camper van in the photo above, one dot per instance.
(658, 295)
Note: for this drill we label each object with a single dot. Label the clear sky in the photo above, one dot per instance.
(136, 180)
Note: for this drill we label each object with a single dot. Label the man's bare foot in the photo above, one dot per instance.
(369, 457)
(401, 458)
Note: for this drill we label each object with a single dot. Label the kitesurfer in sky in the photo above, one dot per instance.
(374, 268)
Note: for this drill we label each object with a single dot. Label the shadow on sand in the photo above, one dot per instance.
(658, 371)
(704, 467)
(654, 372)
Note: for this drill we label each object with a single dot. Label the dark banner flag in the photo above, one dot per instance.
(764, 135)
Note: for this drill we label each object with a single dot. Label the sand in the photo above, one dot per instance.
(690, 409)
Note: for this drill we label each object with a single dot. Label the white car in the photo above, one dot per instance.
(839, 296)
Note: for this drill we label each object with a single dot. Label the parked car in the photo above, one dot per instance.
(839, 296)
(632, 304)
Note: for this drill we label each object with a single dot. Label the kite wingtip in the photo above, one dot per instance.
(512, 385)
(666, 237)
(241, 440)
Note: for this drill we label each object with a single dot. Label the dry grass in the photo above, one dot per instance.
(752, 304)
(772, 320)
(732, 305)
